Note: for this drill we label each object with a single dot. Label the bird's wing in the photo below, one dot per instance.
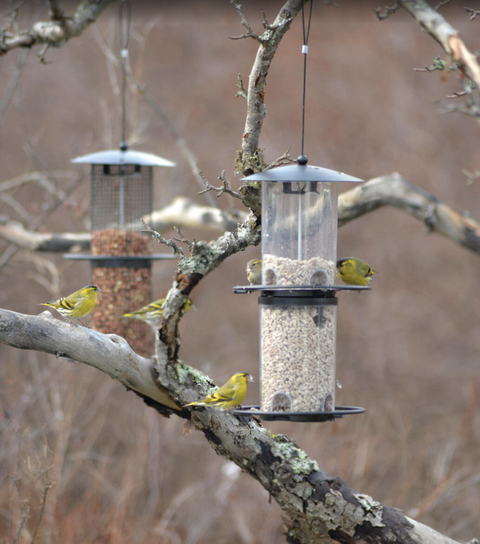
(225, 393)
(66, 304)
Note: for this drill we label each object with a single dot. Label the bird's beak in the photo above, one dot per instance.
(250, 378)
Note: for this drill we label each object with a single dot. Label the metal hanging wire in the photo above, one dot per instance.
(306, 34)
(125, 16)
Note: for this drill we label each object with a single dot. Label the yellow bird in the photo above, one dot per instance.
(152, 313)
(254, 272)
(229, 395)
(354, 271)
(78, 304)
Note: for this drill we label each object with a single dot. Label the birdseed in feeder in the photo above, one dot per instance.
(285, 271)
(298, 342)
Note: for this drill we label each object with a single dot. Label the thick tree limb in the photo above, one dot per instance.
(395, 190)
(15, 233)
(319, 507)
(106, 352)
(182, 212)
(57, 31)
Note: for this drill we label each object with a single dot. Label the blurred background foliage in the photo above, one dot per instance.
(408, 350)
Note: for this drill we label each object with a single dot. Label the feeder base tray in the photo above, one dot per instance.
(339, 411)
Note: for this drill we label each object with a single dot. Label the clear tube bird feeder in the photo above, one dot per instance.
(298, 304)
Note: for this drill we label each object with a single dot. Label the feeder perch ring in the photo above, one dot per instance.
(301, 417)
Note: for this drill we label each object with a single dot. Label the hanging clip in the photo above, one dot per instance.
(304, 49)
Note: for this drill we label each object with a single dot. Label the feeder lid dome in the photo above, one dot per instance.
(301, 172)
(114, 156)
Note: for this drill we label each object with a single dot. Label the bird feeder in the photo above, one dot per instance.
(121, 199)
(298, 303)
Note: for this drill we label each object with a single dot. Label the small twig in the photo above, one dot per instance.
(48, 484)
(241, 89)
(250, 33)
(161, 240)
(265, 24)
(438, 64)
(388, 10)
(457, 95)
(285, 159)
(41, 54)
(441, 4)
(191, 245)
(471, 176)
(225, 188)
(473, 13)
(23, 510)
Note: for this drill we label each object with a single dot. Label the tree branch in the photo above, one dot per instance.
(395, 190)
(225, 188)
(107, 352)
(319, 507)
(389, 190)
(182, 212)
(448, 37)
(57, 31)
(250, 159)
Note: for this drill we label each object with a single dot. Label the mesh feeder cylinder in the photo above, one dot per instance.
(121, 197)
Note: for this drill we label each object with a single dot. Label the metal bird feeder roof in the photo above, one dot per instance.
(301, 172)
(117, 156)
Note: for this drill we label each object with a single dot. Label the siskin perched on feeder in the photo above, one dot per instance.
(254, 272)
(152, 313)
(354, 271)
(78, 304)
(229, 395)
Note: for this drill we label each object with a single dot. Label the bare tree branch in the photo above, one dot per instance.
(182, 212)
(225, 188)
(395, 190)
(250, 159)
(177, 250)
(473, 13)
(389, 190)
(57, 31)
(319, 507)
(447, 36)
(107, 352)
